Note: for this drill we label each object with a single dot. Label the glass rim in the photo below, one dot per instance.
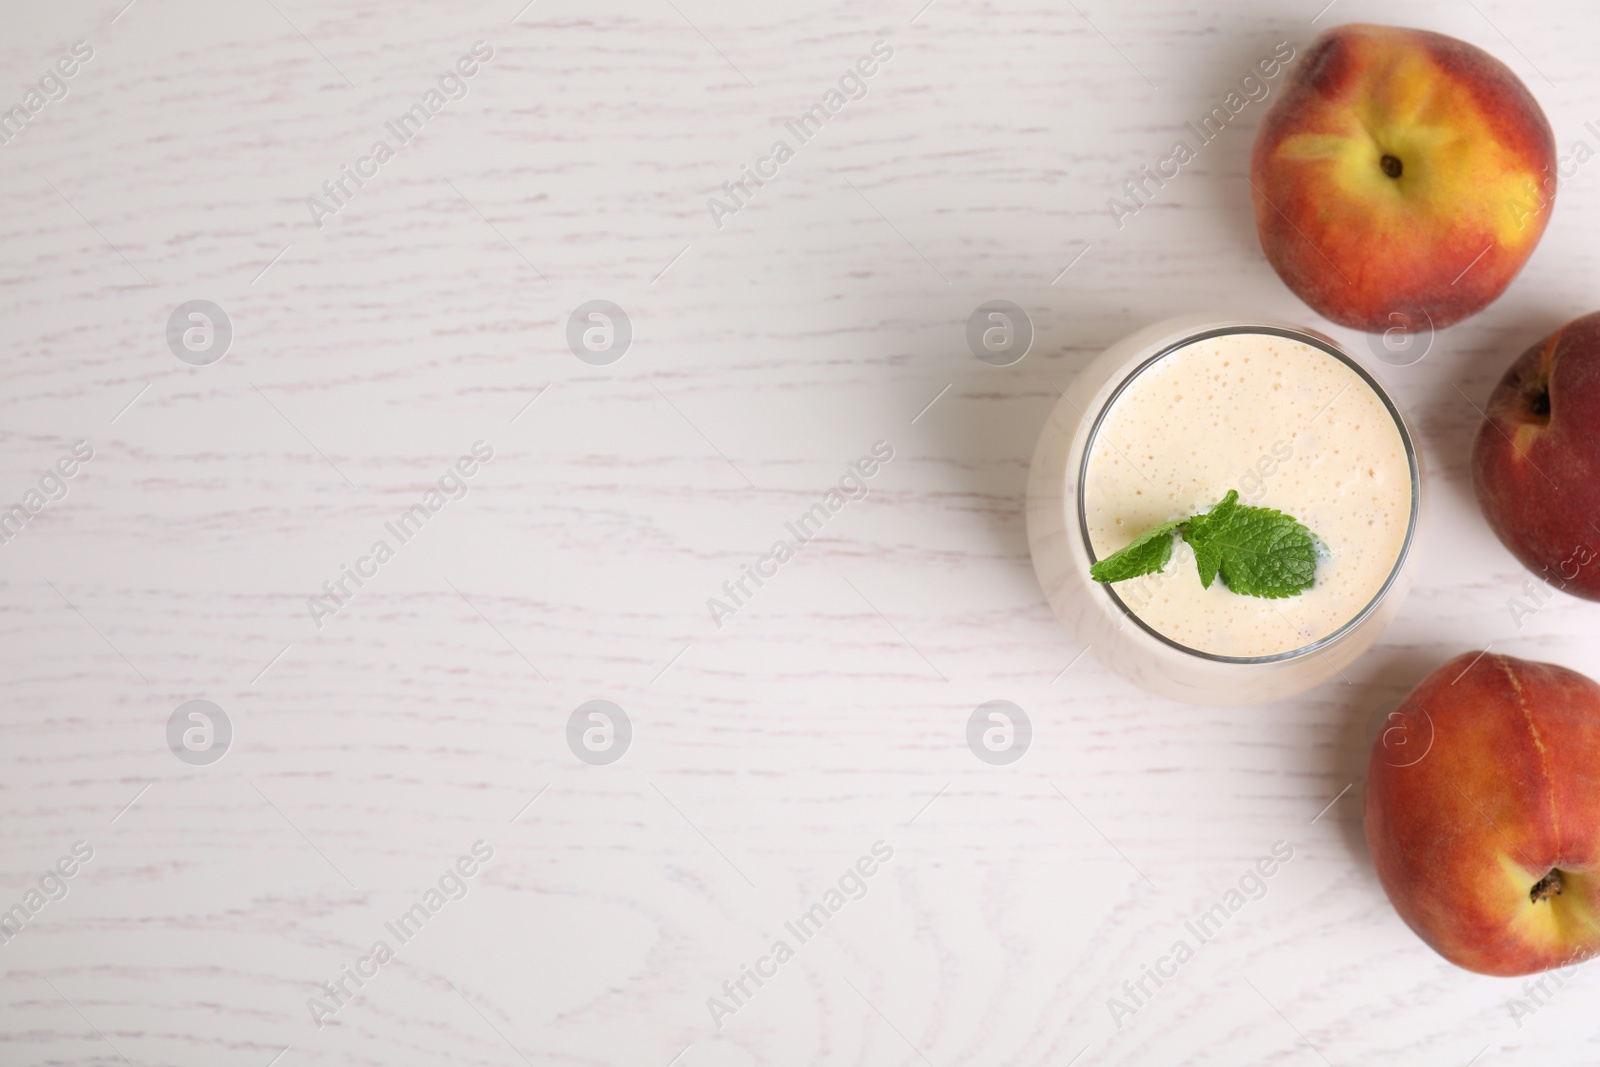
(1324, 345)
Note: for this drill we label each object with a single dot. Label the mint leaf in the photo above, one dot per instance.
(1201, 533)
(1147, 554)
(1257, 551)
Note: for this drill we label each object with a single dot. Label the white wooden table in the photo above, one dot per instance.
(770, 753)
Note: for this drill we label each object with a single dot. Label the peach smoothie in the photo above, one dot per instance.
(1289, 426)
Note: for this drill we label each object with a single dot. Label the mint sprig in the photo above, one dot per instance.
(1258, 552)
(1148, 554)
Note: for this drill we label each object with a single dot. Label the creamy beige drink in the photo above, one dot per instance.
(1289, 426)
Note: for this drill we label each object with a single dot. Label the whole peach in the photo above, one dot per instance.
(1402, 179)
(1483, 813)
(1536, 460)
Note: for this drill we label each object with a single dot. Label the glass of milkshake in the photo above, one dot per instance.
(1161, 427)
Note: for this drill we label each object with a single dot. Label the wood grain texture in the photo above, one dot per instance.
(772, 751)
